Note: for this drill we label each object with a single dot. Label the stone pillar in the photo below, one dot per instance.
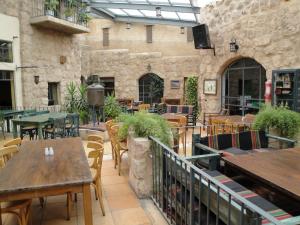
(140, 166)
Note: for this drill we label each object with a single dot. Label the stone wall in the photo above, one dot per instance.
(42, 48)
(266, 30)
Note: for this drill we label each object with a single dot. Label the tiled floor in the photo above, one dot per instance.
(121, 204)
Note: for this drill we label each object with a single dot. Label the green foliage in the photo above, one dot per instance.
(112, 108)
(51, 4)
(145, 124)
(83, 16)
(287, 122)
(76, 100)
(191, 93)
(70, 11)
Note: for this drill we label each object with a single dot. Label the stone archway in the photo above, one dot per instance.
(151, 88)
(243, 86)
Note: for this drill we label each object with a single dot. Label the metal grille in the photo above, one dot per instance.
(187, 195)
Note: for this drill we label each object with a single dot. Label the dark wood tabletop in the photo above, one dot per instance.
(31, 170)
(279, 168)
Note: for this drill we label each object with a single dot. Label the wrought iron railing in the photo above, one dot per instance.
(187, 195)
(74, 11)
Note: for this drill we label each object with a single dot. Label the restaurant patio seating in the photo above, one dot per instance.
(72, 125)
(187, 110)
(96, 155)
(172, 101)
(144, 107)
(208, 115)
(21, 209)
(58, 128)
(120, 147)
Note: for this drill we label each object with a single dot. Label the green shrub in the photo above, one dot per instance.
(112, 108)
(287, 122)
(145, 124)
(191, 93)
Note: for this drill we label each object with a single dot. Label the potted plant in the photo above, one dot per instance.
(191, 95)
(112, 109)
(51, 7)
(70, 10)
(278, 120)
(137, 128)
(83, 16)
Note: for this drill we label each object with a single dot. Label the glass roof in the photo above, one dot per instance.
(173, 12)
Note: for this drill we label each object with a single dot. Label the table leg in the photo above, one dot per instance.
(7, 124)
(15, 131)
(87, 205)
(40, 132)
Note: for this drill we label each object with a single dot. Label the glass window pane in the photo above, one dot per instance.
(169, 15)
(187, 16)
(133, 12)
(180, 2)
(139, 1)
(118, 12)
(149, 13)
(160, 2)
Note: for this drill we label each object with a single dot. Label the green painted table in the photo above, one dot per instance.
(9, 114)
(38, 121)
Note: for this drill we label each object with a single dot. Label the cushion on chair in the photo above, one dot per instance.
(245, 141)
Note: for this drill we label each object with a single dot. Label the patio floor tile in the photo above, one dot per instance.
(122, 202)
(133, 216)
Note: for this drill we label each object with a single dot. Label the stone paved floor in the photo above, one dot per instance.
(121, 204)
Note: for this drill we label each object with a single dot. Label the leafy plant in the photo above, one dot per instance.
(71, 98)
(71, 8)
(83, 16)
(191, 93)
(280, 118)
(51, 4)
(145, 124)
(112, 109)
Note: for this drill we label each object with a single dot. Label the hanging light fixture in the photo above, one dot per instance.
(128, 25)
(158, 11)
(182, 30)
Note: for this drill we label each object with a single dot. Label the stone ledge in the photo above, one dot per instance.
(58, 24)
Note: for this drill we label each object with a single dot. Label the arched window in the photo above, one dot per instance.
(243, 86)
(151, 88)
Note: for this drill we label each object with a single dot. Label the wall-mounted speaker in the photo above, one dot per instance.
(201, 37)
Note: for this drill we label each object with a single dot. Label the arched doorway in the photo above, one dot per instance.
(243, 86)
(151, 88)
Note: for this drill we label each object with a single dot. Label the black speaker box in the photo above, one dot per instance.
(201, 37)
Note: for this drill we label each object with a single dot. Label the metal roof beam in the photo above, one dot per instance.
(150, 21)
(101, 13)
(182, 9)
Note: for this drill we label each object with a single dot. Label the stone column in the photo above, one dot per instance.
(140, 166)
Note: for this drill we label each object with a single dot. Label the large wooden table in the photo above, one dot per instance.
(38, 121)
(279, 169)
(30, 174)
(176, 117)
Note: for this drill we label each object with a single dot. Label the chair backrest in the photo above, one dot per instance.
(249, 118)
(143, 107)
(7, 153)
(16, 141)
(114, 138)
(59, 125)
(96, 138)
(97, 155)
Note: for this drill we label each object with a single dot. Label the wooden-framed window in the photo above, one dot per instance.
(53, 93)
(105, 37)
(149, 33)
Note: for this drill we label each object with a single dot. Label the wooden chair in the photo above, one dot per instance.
(144, 107)
(21, 209)
(109, 124)
(57, 130)
(120, 147)
(208, 115)
(96, 138)
(16, 141)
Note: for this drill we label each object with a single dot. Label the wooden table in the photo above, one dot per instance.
(38, 121)
(176, 117)
(30, 174)
(279, 169)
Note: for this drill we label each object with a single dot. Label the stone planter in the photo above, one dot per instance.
(140, 166)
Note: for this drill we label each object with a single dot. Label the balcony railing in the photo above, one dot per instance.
(69, 10)
(188, 195)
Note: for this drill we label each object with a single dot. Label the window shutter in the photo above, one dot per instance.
(105, 36)
(189, 34)
(149, 33)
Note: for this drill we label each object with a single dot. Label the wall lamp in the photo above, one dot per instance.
(181, 30)
(36, 79)
(233, 45)
(128, 26)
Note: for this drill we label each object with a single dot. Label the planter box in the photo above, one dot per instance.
(140, 166)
